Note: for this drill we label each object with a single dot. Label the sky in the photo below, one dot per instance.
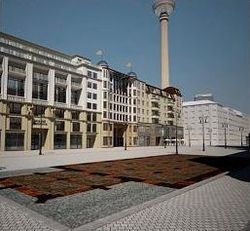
(208, 40)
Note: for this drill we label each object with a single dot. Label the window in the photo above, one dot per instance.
(15, 108)
(105, 95)
(89, 105)
(107, 140)
(94, 106)
(94, 75)
(105, 127)
(60, 141)
(75, 95)
(15, 87)
(59, 113)
(105, 84)
(75, 115)
(60, 94)
(15, 122)
(135, 129)
(59, 125)
(93, 116)
(39, 91)
(89, 95)
(75, 141)
(38, 110)
(89, 74)
(94, 96)
(88, 127)
(14, 142)
(75, 126)
(94, 86)
(104, 104)
(93, 127)
(89, 85)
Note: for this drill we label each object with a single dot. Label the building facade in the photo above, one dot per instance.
(222, 125)
(53, 100)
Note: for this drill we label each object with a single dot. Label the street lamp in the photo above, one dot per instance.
(125, 143)
(189, 128)
(40, 134)
(241, 129)
(225, 126)
(203, 120)
(177, 115)
(210, 136)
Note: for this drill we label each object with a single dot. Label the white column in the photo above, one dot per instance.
(29, 82)
(4, 83)
(82, 100)
(164, 52)
(68, 92)
(51, 88)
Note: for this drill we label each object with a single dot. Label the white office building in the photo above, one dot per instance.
(222, 125)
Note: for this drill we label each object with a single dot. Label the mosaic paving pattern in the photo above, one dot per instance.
(174, 171)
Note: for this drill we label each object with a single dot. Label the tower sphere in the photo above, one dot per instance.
(163, 7)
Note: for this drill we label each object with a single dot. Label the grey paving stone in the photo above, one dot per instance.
(221, 205)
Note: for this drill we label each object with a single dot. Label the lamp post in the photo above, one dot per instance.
(189, 128)
(125, 143)
(177, 115)
(210, 136)
(225, 126)
(40, 134)
(203, 120)
(241, 129)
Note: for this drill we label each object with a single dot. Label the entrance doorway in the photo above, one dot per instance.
(118, 138)
(90, 141)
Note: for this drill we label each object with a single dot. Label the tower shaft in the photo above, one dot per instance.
(164, 53)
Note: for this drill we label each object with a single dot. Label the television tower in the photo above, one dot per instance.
(163, 9)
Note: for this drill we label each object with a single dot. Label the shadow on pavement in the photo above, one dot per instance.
(235, 164)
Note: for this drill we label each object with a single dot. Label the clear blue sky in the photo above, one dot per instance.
(208, 39)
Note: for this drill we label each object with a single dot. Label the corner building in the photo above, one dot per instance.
(48, 93)
(67, 102)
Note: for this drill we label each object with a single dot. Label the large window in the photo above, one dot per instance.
(15, 87)
(75, 141)
(60, 141)
(14, 142)
(39, 91)
(75, 95)
(60, 94)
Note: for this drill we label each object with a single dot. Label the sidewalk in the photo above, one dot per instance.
(12, 161)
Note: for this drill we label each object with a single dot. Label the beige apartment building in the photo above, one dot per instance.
(53, 100)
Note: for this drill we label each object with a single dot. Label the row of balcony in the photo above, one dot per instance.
(40, 102)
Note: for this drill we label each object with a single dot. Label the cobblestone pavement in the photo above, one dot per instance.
(13, 217)
(223, 204)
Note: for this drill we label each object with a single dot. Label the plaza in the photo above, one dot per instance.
(125, 188)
